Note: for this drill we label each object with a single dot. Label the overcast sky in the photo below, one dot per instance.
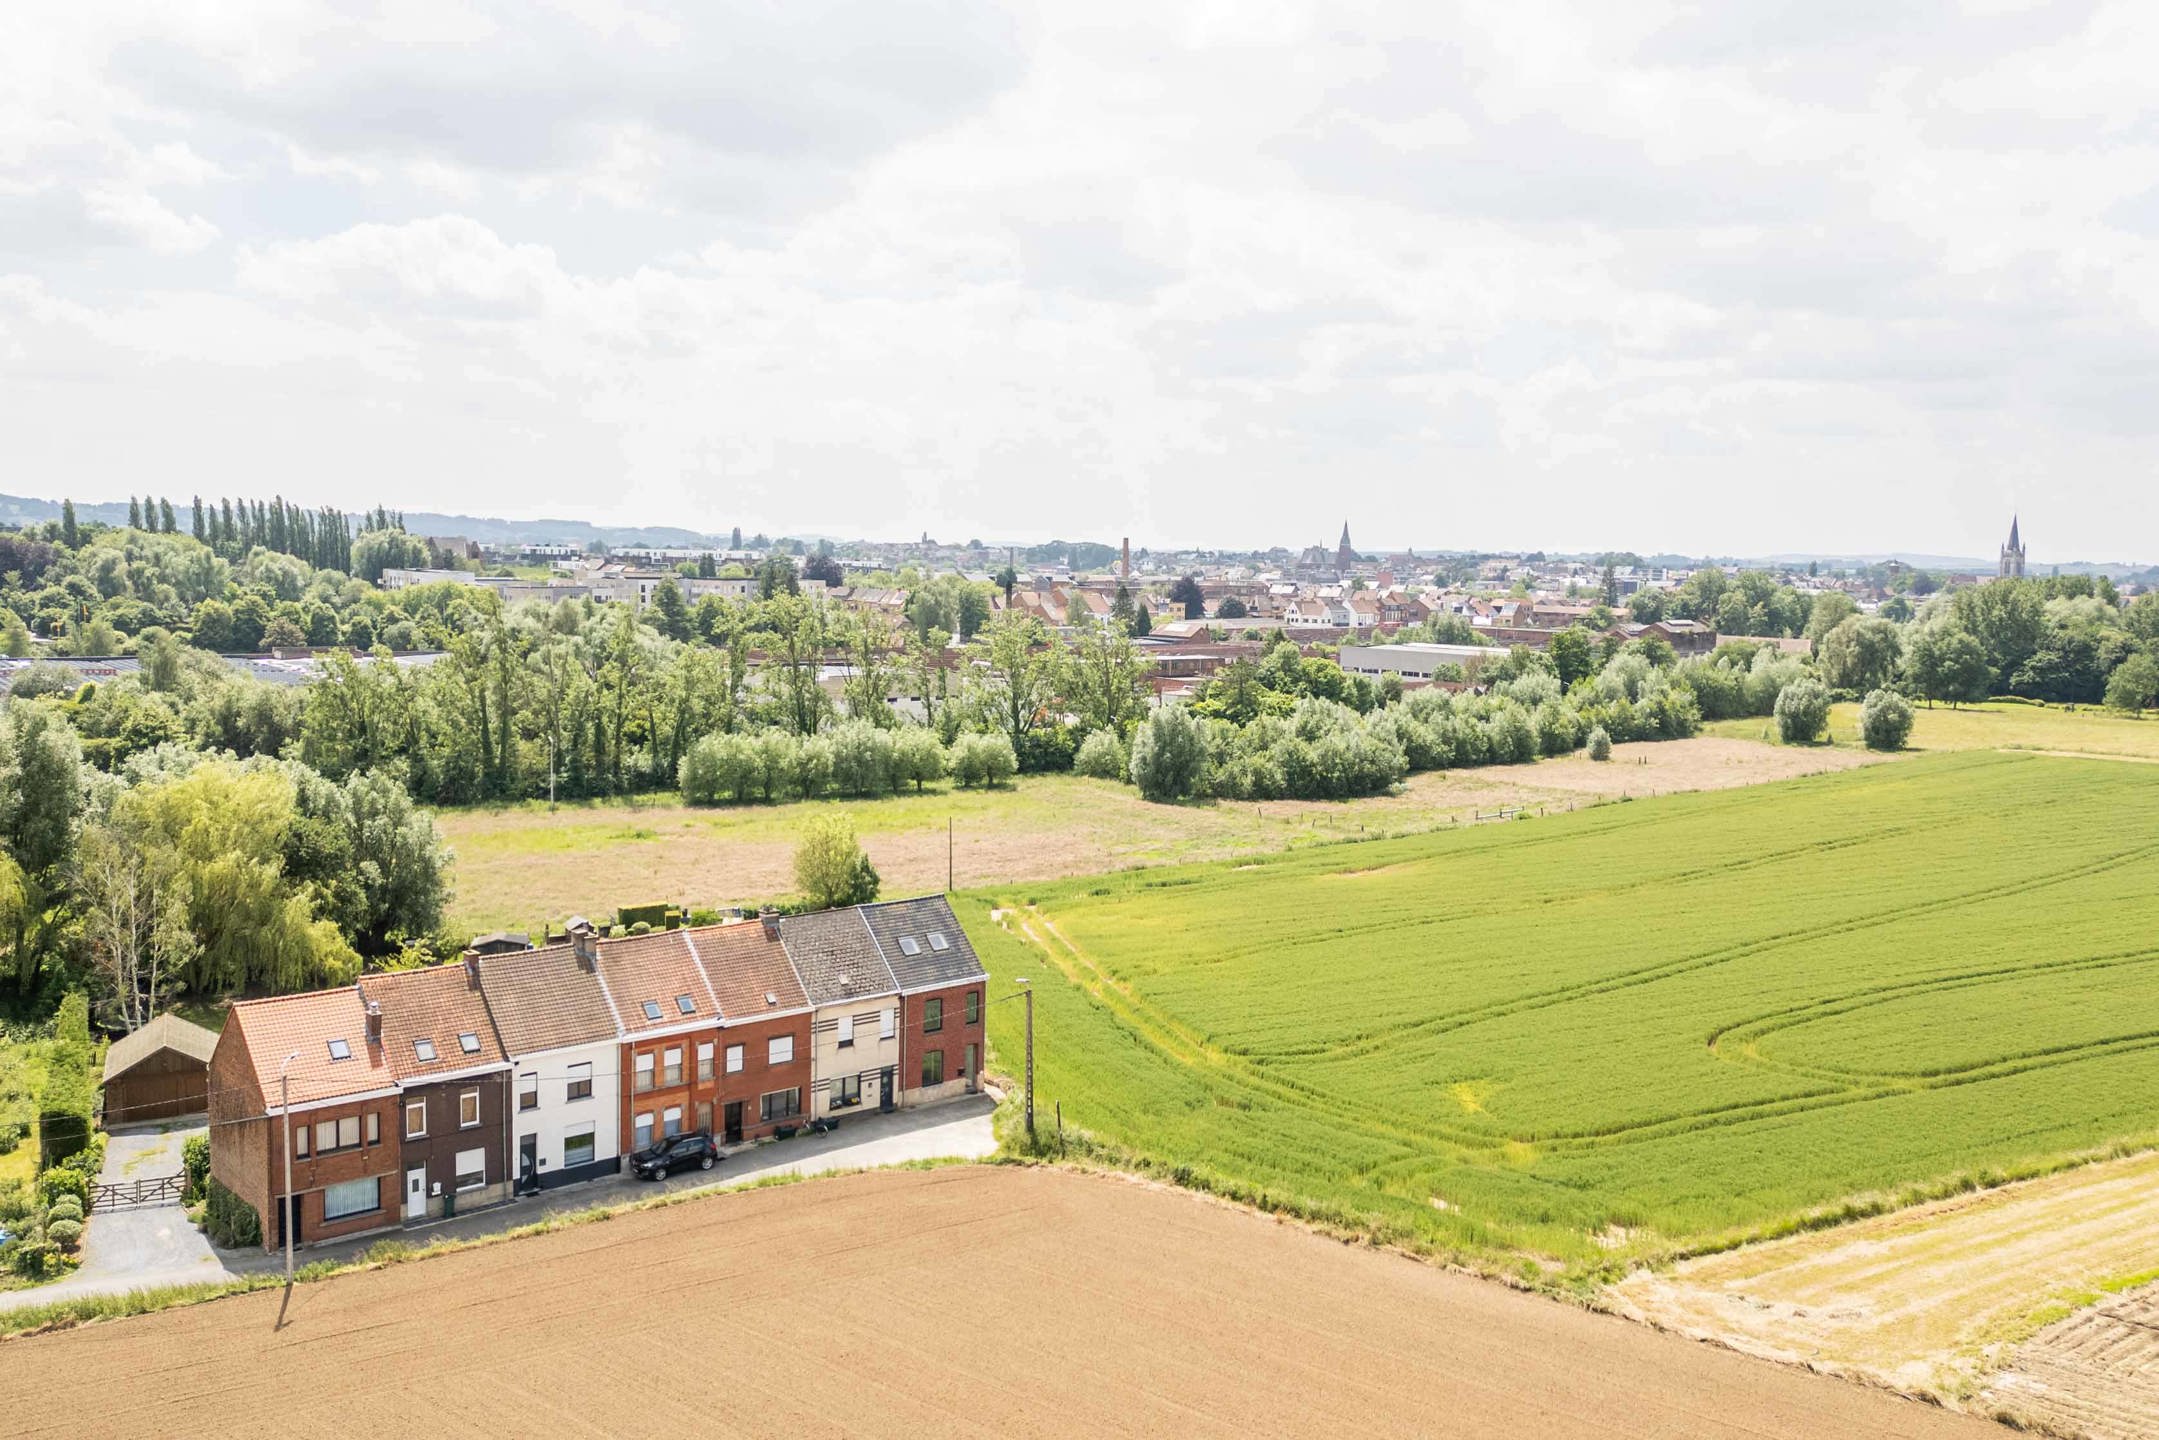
(1731, 277)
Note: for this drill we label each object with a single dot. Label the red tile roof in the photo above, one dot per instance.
(745, 968)
(658, 970)
(305, 1027)
(438, 1011)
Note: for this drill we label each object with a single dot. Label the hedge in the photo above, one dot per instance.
(229, 1220)
(64, 1112)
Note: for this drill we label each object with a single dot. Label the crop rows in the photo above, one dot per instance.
(1631, 1029)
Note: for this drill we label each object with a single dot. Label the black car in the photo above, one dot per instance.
(675, 1153)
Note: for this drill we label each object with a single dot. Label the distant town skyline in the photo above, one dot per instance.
(1722, 279)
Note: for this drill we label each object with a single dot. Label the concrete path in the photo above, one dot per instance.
(140, 1247)
(141, 1252)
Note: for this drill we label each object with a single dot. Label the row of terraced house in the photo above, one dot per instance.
(415, 1094)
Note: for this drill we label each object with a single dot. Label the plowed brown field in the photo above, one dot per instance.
(975, 1301)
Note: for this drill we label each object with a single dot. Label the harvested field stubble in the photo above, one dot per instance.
(1629, 1032)
(956, 1302)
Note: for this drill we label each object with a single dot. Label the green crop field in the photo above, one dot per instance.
(1628, 1031)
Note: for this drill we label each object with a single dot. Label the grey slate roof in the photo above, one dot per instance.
(836, 956)
(544, 1000)
(901, 924)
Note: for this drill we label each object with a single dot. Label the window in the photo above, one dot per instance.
(909, 946)
(581, 1080)
(847, 1031)
(974, 1007)
(468, 1109)
(933, 1068)
(704, 1059)
(933, 1015)
(528, 1091)
(299, 1142)
(779, 1049)
(577, 1145)
(332, 1136)
(469, 1042)
(354, 1197)
(888, 1024)
(734, 1059)
(671, 1066)
(415, 1119)
(471, 1169)
(643, 1081)
(339, 1050)
(938, 941)
(643, 1130)
(374, 1128)
(425, 1049)
(671, 1121)
(652, 1009)
(781, 1104)
(846, 1091)
(685, 1004)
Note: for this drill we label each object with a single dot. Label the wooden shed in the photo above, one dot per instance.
(160, 1071)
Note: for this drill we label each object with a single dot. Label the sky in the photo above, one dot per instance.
(1723, 277)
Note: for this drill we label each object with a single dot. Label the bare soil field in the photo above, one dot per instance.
(2095, 1374)
(521, 866)
(975, 1301)
(1931, 1298)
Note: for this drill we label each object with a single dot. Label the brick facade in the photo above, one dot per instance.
(446, 1138)
(703, 1101)
(950, 1041)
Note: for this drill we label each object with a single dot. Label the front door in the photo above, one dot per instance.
(416, 1194)
(887, 1098)
(528, 1161)
(704, 1116)
(733, 1116)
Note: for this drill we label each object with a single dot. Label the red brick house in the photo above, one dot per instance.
(942, 985)
(343, 1097)
(668, 1021)
(764, 1071)
(453, 1088)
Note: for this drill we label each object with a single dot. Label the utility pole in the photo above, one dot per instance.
(284, 1105)
(1030, 1059)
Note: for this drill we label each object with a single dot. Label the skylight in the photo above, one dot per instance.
(685, 1004)
(469, 1043)
(425, 1049)
(938, 941)
(908, 946)
(339, 1050)
(652, 1009)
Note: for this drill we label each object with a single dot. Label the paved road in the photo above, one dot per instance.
(157, 1246)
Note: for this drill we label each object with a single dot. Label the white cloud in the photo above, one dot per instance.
(1655, 275)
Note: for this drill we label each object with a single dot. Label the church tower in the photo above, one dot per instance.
(1344, 556)
(2012, 567)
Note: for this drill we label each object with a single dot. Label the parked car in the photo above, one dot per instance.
(678, 1152)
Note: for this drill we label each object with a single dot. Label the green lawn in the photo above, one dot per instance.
(22, 1077)
(1996, 725)
(1628, 1030)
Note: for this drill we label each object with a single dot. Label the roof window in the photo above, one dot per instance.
(339, 1050)
(938, 941)
(908, 945)
(652, 1009)
(469, 1042)
(425, 1049)
(685, 1004)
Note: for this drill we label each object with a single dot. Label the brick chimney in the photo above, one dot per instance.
(770, 919)
(472, 969)
(374, 1022)
(584, 943)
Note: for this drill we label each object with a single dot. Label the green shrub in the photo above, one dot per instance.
(983, 760)
(35, 1257)
(1102, 756)
(1802, 711)
(1169, 760)
(61, 1181)
(1600, 744)
(195, 1159)
(227, 1219)
(67, 1207)
(91, 1158)
(1885, 720)
(652, 917)
(66, 1234)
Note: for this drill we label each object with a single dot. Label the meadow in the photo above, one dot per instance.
(1995, 725)
(1626, 1032)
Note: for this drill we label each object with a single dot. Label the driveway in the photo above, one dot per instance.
(145, 1245)
(154, 1245)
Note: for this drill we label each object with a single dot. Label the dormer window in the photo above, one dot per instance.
(469, 1042)
(938, 941)
(909, 946)
(652, 1009)
(425, 1049)
(339, 1050)
(685, 1004)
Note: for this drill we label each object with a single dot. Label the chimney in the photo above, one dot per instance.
(584, 943)
(472, 969)
(1128, 557)
(374, 1022)
(770, 918)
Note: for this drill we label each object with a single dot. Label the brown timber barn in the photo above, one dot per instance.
(160, 1071)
